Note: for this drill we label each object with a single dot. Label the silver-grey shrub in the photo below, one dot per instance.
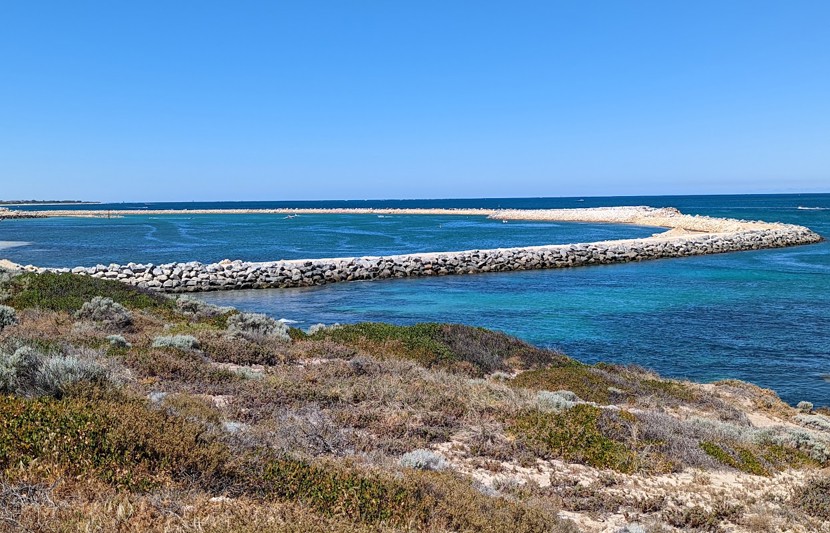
(556, 401)
(107, 312)
(57, 373)
(248, 373)
(806, 441)
(819, 422)
(8, 316)
(199, 309)
(5, 277)
(423, 460)
(26, 371)
(254, 325)
(631, 528)
(804, 407)
(179, 342)
(318, 328)
(118, 341)
(17, 369)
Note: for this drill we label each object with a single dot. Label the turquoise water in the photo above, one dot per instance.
(759, 316)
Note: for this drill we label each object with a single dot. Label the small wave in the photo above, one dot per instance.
(288, 321)
(12, 244)
(802, 208)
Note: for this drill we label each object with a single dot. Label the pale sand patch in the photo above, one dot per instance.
(666, 217)
(8, 265)
(691, 487)
(677, 232)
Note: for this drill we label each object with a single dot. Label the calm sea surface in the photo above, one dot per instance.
(759, 316)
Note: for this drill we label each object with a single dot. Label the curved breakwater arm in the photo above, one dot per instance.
(687, 236)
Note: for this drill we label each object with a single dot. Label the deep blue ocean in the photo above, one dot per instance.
(760, 316)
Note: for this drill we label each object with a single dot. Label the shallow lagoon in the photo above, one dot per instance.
(61, 242)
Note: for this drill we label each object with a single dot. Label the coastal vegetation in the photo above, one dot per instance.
(122, 409)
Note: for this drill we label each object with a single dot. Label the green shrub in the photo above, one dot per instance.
(368, 498)
(603, 383)
(225, 348)
(427, 501)
(109, 437)
(577, 435)
(491, 351)
(467, 349)
(185, 366)
(742, 458)
(68, 292)
(584, 381)
(695, 518)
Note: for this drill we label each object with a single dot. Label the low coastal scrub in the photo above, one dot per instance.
(106, 312)
(178, 342)
(211, 416)
(118, 341)
(111, 438)
(580, 435)
(814, 498)
(25, 371)
(199, 309)
(317, 328)
(423, 460)
(613, 384)
(120, 441)
(68, 292)
(8, 316)
(255, 326)
(556, 400)
(453, 347)
(224, 348)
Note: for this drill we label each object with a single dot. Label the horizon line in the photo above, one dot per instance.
(77, 202)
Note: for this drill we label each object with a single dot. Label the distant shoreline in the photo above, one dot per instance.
(46, 202)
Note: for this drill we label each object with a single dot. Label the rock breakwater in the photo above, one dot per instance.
(6, 213)
(690, 236)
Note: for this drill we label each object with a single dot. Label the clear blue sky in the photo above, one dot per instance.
(201, 100)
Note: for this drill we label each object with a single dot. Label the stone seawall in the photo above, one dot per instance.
(227, 275)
